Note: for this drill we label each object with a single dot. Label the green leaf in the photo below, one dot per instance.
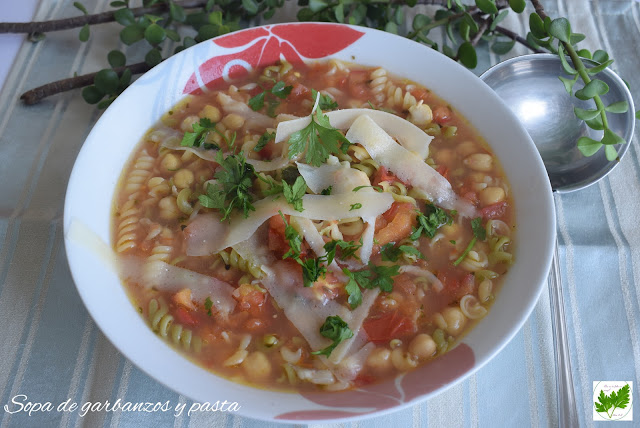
(131, 34)
(498, 19)
(325, 103)
(584, 53)
(487, 6)
(598, 68)
(107, 81)
(250, 6)
(80, 7)
(595, 123)
(155, 34)
(105, 103)
(448, 51)
(84, 33)
(317, 5)
(172, 35)
(473, 25)
(318, 139)
(600, 56)
(339, 13)
(125, 78)
(585, 114)
(92, 95)
(610, 138)
(568, 83)
(594, 88)
(502, 48)
(536, 26)
(176, 12)
(619, 107)
(420, 21)
(391, 27)
(563, 60)
(517, 5)
(638, 114)
(478, 230)
(117, 3)
(207, 32)
(611, 153)
(588, 146)
(577, 38)
(464, 31)
(430, 221)
(547, 23)
(561, 29)
(36, 37)
(153, 57)
(215, 18)
(124, 17)
(116, 58)
(467, 55)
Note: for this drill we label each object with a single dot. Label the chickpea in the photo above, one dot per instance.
(491, 195)
(455, 320)
(451, 231)
(187, 123)
(168, 208)
(402, 360)
(183, 178)
(210, 112)
(422, 346)
(466, 148)
(170, 162)
(233, 121)
(256, 366)
(379, 360)
(444, 156)
(479, 162)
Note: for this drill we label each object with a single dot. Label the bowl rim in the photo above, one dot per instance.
(75, 185)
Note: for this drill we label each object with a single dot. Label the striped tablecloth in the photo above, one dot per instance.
(51, 351)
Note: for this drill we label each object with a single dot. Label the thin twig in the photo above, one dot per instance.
(98, 18)
(483, 27)
(539, 9)
(513, 36)
(36, 95)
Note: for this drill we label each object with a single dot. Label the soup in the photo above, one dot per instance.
(316, 226)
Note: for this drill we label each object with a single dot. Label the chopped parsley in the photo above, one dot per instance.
(336, 329)
(201, 130)
(376, 188)
(325, 103)
(326, 191)
(374, 277)
(293, 237)
(391, 253)
(479, 233)
(347, 249)
(199, 135)
(208, 304)
(317, 140)
(234, 179)
(293, 194)
(429, 222)
(270, 96)
(312, 268)
(264, 140)
(355, 206)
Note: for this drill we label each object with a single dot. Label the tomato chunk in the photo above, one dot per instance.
(184, 316)
(389, 326)
(494, 211)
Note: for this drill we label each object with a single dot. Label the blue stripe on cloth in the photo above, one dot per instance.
(501, 382)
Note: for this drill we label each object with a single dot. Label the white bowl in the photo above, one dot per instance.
(87, 214)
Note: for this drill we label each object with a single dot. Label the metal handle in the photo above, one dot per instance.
(567, 411)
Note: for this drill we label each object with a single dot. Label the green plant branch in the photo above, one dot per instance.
(98, 18)
(36, 95)
(582, 71)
